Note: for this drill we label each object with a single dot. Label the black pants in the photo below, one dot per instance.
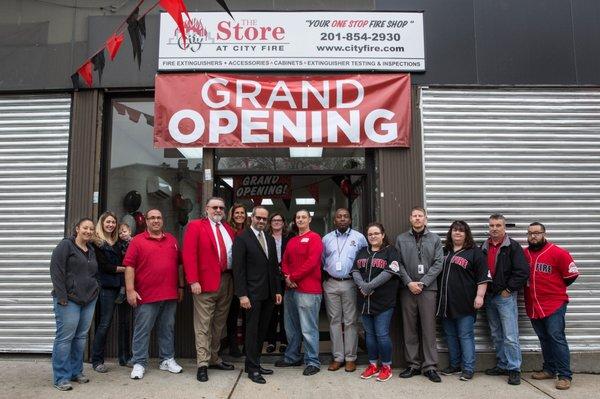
(106, 307)
(257, 324)
(276, 331)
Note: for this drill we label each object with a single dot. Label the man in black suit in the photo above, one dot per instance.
(257, 285)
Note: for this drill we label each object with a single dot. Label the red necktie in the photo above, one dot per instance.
(222, 249)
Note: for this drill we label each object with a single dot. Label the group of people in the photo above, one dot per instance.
(277, 280)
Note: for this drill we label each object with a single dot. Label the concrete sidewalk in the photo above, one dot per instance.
(31, 378)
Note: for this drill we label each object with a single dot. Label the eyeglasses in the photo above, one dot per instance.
(535, 233)
(373, 234)
(154, 218)
(277, 220)
(260, 218)
(214, 208)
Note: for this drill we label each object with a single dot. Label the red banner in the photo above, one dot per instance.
(269, 111)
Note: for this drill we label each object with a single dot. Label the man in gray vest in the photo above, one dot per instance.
(422, 258)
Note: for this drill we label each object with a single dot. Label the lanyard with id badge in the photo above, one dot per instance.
(420, 266)
(338, 263)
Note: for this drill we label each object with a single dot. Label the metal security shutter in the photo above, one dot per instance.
(34, 138)
(533, 155)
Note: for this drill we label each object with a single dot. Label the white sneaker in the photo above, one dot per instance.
(138, 372)
(170, 365)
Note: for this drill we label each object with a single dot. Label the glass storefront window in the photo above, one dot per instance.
(167, 179)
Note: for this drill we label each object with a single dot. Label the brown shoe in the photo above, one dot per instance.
(350, 367)
(334, 366)
(563, 384)
(542, 375)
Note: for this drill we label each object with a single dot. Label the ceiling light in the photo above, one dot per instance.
(311, 213)
(305, 201)
(267, 201)
(306, 152)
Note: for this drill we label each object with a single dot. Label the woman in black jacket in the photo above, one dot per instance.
(462, 288)
(109, 262)
(374, 272)
(73, 270)
(278, 229)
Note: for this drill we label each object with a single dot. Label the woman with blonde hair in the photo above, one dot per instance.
(110, 269)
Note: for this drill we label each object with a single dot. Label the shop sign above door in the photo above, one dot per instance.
(315, 41)
(269, 111)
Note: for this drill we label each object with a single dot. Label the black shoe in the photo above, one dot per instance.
(514, 377)
(496, 371)
(234, 351)
(409, 372)
(450, 370)
(265, 371)
(256, 377)
(270, 348)
(222, 366)
(432, 375)
(202, 374)
(311, 370)
(283, 363)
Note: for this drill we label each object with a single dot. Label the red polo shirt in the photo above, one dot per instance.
(156, 263)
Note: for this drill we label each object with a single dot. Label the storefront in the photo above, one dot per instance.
(487, 134)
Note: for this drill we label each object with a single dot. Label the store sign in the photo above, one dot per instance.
(268, 111)
(381, 41)
(262, 186)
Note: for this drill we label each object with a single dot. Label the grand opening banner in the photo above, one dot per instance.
(271, 111)
(315, 41)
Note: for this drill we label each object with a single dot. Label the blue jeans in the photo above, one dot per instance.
(502, 317)
(377, 334)
(555, 349)
(460, 337)
(72, 325)
(301, 320)
(107, 306)
(145, 315)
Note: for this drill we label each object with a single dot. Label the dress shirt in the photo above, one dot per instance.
(226, 238)
(342, 248)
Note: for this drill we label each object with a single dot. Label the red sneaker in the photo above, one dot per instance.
(385, 373)
(369, 372)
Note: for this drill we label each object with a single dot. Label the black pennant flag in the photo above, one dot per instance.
(224, 5)
(133, 27)
(98, 61)
(142, 25)
(75, 81)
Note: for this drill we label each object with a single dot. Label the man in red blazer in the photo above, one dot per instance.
(207, 246)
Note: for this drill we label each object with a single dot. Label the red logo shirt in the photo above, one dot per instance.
(546, 290)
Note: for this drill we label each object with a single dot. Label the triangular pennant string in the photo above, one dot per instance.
(113, 44)
(121, 109)
(86, 73)
(98, 61)
(134, 114)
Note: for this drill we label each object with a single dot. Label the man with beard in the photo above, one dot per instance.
(339, 250)
(509, 270)
(552, 270)
(207, 246)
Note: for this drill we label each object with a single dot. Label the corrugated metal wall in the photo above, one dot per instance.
(533, 155)
(34, 139)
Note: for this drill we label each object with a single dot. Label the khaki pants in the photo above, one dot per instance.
(210, 317)
(340, 301)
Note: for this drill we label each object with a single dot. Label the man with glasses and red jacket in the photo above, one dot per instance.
(207, 245)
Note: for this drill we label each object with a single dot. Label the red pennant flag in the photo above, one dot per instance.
(134, 114)
(86, 73)
(175, 8)
(113, 44)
